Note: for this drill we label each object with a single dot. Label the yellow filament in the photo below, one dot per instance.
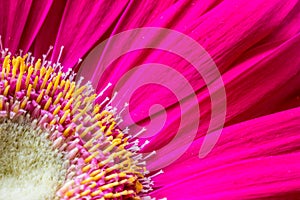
(24, 102)
(1, 103)
(19, 82)
(67, 106)
(96, 193)
(37, 66)
(115, 142)
(6, 64)
(29, 91)
(57, 109)
(88, 159)
(30, 70)
(62, 83)
(79, 91)
(2, 73)
(57, 98)
(67, 131)
(49, 88)
(110, 185)
(70, 92)
(64, 117)
(47, 105)
(42, 71)
(16, 108)
(46, 77)
(15, 63)
(86, 168)
(111, 127)
(39, 98)
(57, 79)
(86, 192)
(35, 81)
(67, 85)
(96, 109)
(94, 148)
(6, 90)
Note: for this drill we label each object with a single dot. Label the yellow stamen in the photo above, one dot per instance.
(57, 98)
(67, 106)
(56, 82)
(49, 88)
(88, 159)
(70, 92)
(37, 66)
(6, 90)
(35, 82)
(48, 103)
(29, 91)
(30, 70)
(67, 85)
(24, 102)
(19, 82)
(57, 109)
(64, 117)
(46, 77)
(39, 98)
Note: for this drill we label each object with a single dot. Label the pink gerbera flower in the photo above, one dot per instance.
(64, 137)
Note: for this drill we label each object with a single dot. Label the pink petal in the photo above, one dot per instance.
(256, 85)
(230, 36)
(13, 19)
(255, 159)
(83, 24)
(250, 28)
(252, 89)
(37, 15)
(48, 32)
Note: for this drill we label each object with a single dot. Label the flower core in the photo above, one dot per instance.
(29, 167)
(57, 143)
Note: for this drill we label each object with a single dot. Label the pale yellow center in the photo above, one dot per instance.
(30, 169)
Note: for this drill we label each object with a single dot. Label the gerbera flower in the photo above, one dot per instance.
(60, 139)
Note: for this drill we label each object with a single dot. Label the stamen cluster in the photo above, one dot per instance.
(97, 159)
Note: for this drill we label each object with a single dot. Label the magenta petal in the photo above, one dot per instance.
(230, 27)
(253, 85)
(248, 33)
(255, 159)
(226, 31)
(47, 34)
(14, 14)
(251, 179)
(141, 13)
(247, 99)
(261, 64)
(83, 24)
(38, 12)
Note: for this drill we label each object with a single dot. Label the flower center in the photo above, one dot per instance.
(29, 166)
